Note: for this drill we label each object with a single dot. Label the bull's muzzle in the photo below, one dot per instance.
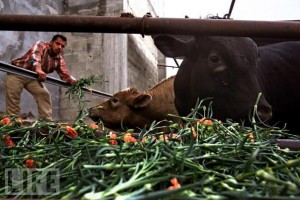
(264, 113)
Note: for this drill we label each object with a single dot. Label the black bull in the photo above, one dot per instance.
(233, 71)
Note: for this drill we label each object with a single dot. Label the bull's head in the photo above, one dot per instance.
(221, 68)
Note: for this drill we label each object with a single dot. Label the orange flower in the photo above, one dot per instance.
(250, 135)
(71, 132)
(5, 121)
(174, 181)
(9, 143)
(113, 136)
(113, 142)
(128, 138)
(93, 126)
(205, 121)
(208, 122)
(175, 184)
(29, 163)
(133, 139)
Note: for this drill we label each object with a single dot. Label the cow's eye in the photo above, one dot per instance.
(214, 59)
(114, 100)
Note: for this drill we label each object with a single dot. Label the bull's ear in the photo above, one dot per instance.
(170, 46)
(258, 56)
(141, 100)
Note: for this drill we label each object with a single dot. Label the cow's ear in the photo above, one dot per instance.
(131, 90)
(141, 100)
(170, 46)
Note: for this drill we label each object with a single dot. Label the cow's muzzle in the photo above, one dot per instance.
(93, 114)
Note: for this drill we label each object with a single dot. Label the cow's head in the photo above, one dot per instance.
(223, 68)
(122, 110)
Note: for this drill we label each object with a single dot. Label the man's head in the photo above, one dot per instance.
(57, 44)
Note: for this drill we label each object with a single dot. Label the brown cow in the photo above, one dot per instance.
(131, 109)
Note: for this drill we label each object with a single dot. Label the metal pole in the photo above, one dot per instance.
(151, 26)
(33, 75)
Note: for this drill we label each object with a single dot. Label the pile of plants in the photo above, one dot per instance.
(202, 159)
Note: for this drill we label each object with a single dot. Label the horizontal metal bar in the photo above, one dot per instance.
(54, 81)
(161, 65)
(151, 25)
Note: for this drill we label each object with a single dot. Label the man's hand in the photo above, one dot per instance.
(42, 75)
(72, 80)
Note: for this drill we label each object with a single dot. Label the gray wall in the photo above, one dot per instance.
(123, 60)
(14, 44)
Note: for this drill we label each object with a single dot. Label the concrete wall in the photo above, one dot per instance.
(96, 54)
(123, 60)
(14, 44)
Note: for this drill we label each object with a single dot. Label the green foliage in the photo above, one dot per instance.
(76, 92)
(209, 158)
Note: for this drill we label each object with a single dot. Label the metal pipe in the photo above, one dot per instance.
(161, 65)
(54, 81)
(151, 26)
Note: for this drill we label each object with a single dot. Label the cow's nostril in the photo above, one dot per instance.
(264, 113)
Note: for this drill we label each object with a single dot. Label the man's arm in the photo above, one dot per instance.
(64, 74)
(32, 59)
(37, 52)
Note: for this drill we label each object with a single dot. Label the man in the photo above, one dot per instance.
(43, 58)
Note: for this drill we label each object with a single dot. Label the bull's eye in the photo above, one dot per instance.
(214, 59)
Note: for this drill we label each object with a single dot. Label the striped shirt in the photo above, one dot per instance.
(38, 56)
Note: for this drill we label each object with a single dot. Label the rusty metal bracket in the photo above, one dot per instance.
(227, 16)
(143, 23)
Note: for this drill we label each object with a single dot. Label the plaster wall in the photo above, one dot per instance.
(15, 43)
(122, 60)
